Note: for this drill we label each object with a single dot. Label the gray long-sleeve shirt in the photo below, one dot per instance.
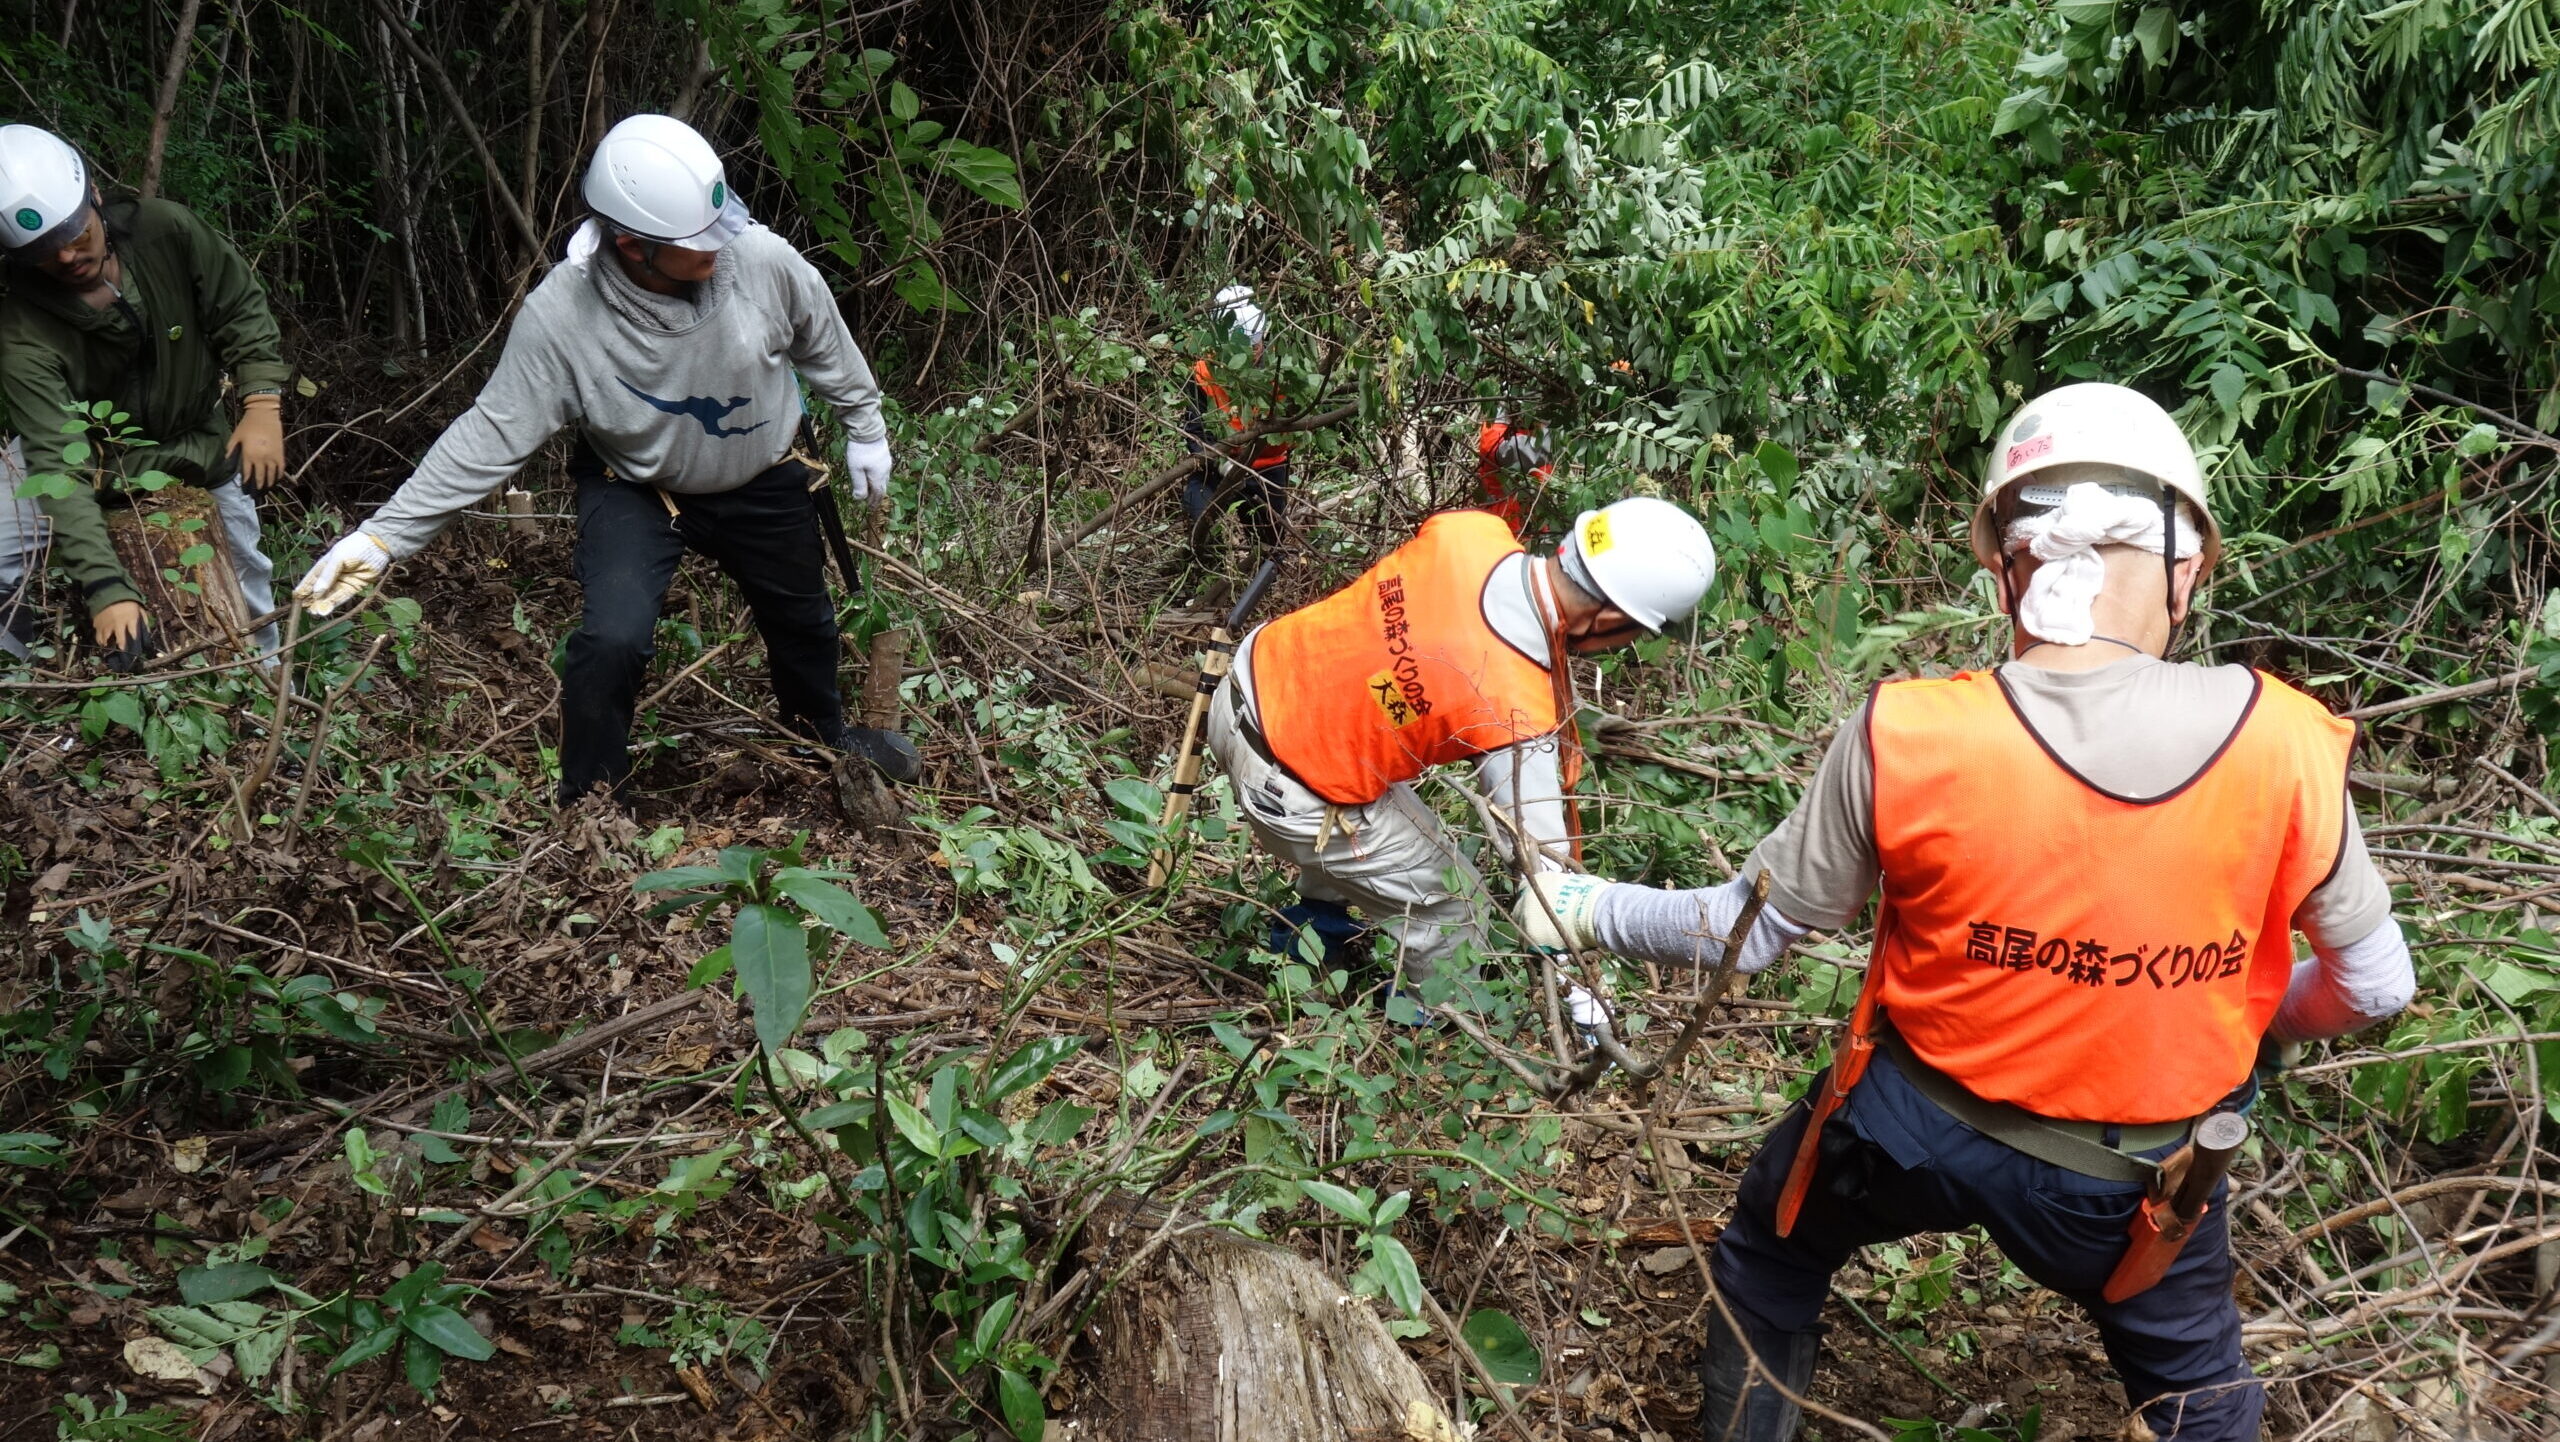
(692, 396)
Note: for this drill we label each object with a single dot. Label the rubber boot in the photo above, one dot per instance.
(891, 754)
(1740, 1405)
(17, 631)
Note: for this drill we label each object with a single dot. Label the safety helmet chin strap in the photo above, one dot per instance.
(2169, 564)
(649, 259)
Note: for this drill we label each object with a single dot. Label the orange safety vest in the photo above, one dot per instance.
(1265, 455)
(1512, 509)
(2080, 954)
(1400, 671)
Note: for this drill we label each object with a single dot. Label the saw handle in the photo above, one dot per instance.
(1215, 662)
(1252, 597)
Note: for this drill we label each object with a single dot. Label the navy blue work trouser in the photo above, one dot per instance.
(1261, 496)
(764, 534)
(1894, 1164)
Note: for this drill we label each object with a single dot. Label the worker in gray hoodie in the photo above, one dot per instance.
(670, 339)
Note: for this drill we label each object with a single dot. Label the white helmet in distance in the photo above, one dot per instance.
(2091, 424)
(1646, 557)
(654, 177)
(44, 190)
(1235, 302)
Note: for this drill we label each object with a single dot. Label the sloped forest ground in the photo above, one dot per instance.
(349, 1090)
(410, 1028)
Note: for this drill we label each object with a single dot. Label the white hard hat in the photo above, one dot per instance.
(1237, 302)
(2091, 425)
(1646, 557)
(654, 177)
(44, 190)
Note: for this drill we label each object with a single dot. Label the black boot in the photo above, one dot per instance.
(1740, 1405)
(891, 754)
(17, 631)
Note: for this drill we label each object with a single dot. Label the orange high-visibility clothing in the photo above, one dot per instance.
(2077, 953)
(1400, 671)
(1512, 509)
(1265, 455)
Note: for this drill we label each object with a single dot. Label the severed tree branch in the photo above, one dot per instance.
(2503, 421)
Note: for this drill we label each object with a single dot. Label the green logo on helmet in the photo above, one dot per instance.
(719, 194)
(29, 220)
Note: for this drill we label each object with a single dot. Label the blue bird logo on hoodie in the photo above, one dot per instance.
(707, 411)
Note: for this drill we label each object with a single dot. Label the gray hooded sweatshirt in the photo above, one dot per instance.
(693, 396)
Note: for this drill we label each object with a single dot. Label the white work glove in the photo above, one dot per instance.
(1558, 910)
(866, 468)
(349, 568)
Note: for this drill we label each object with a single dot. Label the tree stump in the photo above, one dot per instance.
(1219, 1338)
(864, 797)
(191, 593)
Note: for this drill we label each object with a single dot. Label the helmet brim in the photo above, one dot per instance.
(62, 234)
(727, 226)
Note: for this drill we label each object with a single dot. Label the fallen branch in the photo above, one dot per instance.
(914, 579)
(2504, 421)
(2463, 692)
(593, 1039)
(2437, 1187)
(2469, 1043)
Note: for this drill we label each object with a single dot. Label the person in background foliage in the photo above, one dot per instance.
(669, 339)
(1251, 477)
(23, 534)
(2092, 862)
(1455, 647)
(1513, 462)
(140, 303)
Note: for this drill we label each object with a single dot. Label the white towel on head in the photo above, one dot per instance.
(2059, 598)
(584, 240)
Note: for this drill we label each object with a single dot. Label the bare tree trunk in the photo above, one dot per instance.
(529, 168)
(70, 15)
(425, 64)
(695, 78)
(171, 77)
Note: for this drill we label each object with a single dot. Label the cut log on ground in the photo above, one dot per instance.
(1219, 1338)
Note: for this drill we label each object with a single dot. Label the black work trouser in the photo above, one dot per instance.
(764, 534)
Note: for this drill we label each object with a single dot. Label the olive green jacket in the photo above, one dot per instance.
(196, 303)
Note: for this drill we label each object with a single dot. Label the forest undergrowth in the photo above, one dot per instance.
(347, 1086)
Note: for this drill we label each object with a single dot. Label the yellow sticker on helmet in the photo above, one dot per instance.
(1596, 539)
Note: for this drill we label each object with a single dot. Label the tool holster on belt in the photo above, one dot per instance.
(1848, 1066)
(2178, 1201)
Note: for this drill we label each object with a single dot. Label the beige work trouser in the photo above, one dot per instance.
(1392, 858)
